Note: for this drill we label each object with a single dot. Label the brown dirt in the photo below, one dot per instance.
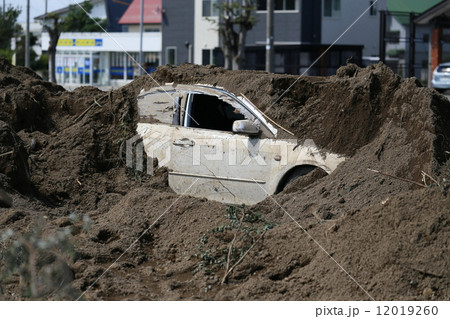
(390, 235)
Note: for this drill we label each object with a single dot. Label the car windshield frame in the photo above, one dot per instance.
(443, 68)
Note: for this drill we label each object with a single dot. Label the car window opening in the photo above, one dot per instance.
(209, 112)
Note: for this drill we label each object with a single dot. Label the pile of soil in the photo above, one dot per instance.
(67, 172)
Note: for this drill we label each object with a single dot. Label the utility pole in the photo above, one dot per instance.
(383, 36)
(27, 37)
(3, 8)
(141, 30)
(269, 36)
(412, 44)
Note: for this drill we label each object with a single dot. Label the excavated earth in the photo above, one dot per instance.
(119, 234)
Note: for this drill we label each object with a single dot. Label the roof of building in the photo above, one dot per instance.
(441, 10)
(416, 6)
(152, 12)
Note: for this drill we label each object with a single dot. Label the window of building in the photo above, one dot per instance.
(171, 55)
(152, 29)
(280, 5)
(117, 65)
(262, 5)
(212, 56)
(151, 59)
(331, 8)
(393, 36)
(210, 8)
(285, 5)
(373, 8)
(132, 69)
(217, 57)
(206, 56)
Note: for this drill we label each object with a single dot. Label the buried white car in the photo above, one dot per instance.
(219, 146)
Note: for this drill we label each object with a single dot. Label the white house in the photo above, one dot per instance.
(105, 58)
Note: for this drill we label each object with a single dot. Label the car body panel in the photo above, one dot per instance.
(225, 166)
(441, 77)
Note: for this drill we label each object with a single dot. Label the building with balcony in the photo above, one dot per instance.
(303, 29)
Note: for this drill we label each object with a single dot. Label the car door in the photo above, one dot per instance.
(159, 115)
(209, 160)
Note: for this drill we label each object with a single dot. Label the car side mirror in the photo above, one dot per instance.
(246, 127)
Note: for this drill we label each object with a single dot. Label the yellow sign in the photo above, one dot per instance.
(80, 42)
(65, 42)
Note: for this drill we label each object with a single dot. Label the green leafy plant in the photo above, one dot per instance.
(78, 21)
(9, 26)
(225, 246)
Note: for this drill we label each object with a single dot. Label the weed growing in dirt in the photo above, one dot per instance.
(136, 175)
(445, 184)
(225, 246)
(39, 262)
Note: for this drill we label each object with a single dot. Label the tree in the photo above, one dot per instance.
(235, 20)
(9, 29)
(54, 32)
(76, 21)
(20, 49)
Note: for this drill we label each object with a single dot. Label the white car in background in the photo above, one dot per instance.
(441, 77)
(221, 147)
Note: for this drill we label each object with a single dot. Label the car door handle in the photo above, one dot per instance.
(184, 142)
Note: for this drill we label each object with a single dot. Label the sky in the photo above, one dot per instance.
(37, 7)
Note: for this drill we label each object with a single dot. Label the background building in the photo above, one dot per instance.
(178, 23)
(437, 19)
(130, 20)
(103, 59)
(111, 10)
(409, 54)
(107, 59)
(304, 29)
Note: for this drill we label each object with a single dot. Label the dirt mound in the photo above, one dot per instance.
(13, 159)
(401, 255)
(25, 99)
(390, 235)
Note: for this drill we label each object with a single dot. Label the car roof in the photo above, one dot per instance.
(445, 64)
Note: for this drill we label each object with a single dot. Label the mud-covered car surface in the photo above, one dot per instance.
(220, 146)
